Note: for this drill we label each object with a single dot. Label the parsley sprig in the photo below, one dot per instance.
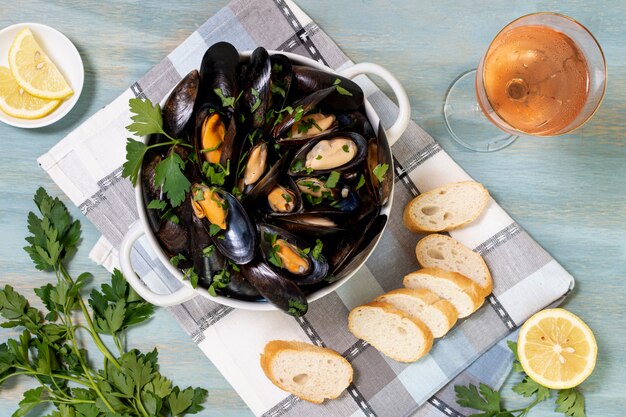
(147, 120)
(569, 401)
(49, 349)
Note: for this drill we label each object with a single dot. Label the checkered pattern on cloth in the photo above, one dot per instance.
(87, 166)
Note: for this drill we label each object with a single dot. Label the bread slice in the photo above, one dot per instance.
(462, 292)
(444, 252)
(445, 208)
(438, 314)
(393, 332)
(309, 372)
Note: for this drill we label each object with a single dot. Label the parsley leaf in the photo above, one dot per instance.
(380, 170)
(175, 260)
(317, 249)
(146, 118)
(528, 388)
(361, 182)
(340, 89)
(333, 179)
(257, 100)
(571, 402)
(169, 175)
(135, 151)
(226, 101)
(296, 308)
(157, 205)
(486, 399)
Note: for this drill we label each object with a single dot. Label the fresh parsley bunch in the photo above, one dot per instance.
(568, 401)
(49, 348)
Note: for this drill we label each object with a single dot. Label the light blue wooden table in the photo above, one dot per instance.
(568, 192)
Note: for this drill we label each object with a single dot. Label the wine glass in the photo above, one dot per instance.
(544, 74)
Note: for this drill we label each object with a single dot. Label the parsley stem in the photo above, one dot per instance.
(173, 142)
(29, 371)
(141, 407)
(94, 334)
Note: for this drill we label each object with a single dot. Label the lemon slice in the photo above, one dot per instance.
(16, 102)
(557, 349)
(34, 71)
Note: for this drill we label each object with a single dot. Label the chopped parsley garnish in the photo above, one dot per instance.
(287, 197)
(257, 100)
(273, 257)
(219, 280)
(346, 148)
(193, 277)
(317, 249)
(318, 157)
(380, 170)
(306, 124)
(214, 229)
(333, 179)
(340, 89)
(361, 182)
(299, 113)
(296, 308)
(270, 238)
(208, 251)
(157, 205)
(297, 165)
(198, 195)
(226, 101)
(216, 173)
(175, 260)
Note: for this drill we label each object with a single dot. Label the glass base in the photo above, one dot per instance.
(465, 120)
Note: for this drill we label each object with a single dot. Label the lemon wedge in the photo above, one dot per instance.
(557, 349)
(16, 102)
(34, 71)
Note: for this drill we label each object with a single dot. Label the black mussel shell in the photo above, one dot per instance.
(256, 92)
(178, 108)
(174, 237)
(239, 287)
(278, 290)
(206, 265)
(219, 70)
(318, 268)
(149, 189)
(353, 249)
(311, 225)
(297, 167)
(282, 75)
(309, 79)
(238, 241)
(306, 105)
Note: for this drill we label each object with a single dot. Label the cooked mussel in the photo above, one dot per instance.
(292, 256)
(278, 290)
(178, 108)
(254, 167)
(231, 230)
(379, 165)
(282, 199)
(300, 109)
(333, 152)
(312, 225)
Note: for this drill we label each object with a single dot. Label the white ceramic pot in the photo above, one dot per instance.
(186, 292)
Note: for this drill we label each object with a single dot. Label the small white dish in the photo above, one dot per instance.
(62, 52)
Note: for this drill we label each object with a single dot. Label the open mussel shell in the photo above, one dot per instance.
(237, 239)
(253, 167)
(310, 79)
(300, 267)
(256, 92)
(313, 125)
(283, 199)
(311, 225)
(178, 108)
(300, 108)
(337, 151)
(278, 290)
(378, 155)
(268, 181)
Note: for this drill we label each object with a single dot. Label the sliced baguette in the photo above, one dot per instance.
(393, 332)
(444, 252)
(462, 292)
(309, 372)
(445, 208)
(438, 314)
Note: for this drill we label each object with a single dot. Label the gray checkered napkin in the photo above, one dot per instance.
(87, 166)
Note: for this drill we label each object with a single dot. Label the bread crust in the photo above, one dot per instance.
(473, 290)
(273, 347)
(414, 226)
(432, 299)
(487, 289)
(388, 308)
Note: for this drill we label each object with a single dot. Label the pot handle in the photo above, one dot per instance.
(404, 106)
(162, 300)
